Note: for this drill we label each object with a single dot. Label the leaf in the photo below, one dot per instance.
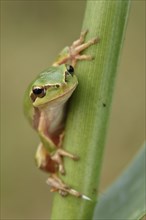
(126, 198)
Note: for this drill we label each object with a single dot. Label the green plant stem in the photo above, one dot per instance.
(90, 106)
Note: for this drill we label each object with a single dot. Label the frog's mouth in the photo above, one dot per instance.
(36, 100)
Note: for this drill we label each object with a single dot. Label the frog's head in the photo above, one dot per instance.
(55, 84)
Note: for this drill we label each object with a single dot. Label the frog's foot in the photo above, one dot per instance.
(58, 186)
(81, 38)
(78, 46)
(58, 158)
(72, 54)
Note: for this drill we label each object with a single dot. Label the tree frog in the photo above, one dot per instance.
(45, 107)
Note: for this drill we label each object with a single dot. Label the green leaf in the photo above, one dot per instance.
(126, 198)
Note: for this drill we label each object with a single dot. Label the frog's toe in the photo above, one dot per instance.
(61, 169)
(75, 157)
(57, 185)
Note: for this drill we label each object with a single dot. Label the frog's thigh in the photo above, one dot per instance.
(44, 160)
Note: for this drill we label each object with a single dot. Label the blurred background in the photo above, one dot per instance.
(33, 33)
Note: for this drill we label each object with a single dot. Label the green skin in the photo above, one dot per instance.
(59, 84)
(45, 107)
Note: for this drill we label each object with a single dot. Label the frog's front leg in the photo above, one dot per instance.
(72, 54)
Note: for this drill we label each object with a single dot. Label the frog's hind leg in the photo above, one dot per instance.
(58, 157)
(52, 162)
(44, 161)
(59, 153)
(57, 185)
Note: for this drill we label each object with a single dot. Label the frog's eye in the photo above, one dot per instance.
(70, 69)
(39, 92)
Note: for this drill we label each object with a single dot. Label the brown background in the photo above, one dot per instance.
(33, 32)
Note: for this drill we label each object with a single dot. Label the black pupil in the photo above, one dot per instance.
(37, 91)
(70, 69)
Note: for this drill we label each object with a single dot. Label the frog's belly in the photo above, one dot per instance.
(55, 118)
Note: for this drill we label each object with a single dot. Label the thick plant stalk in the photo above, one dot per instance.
(90, 107)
